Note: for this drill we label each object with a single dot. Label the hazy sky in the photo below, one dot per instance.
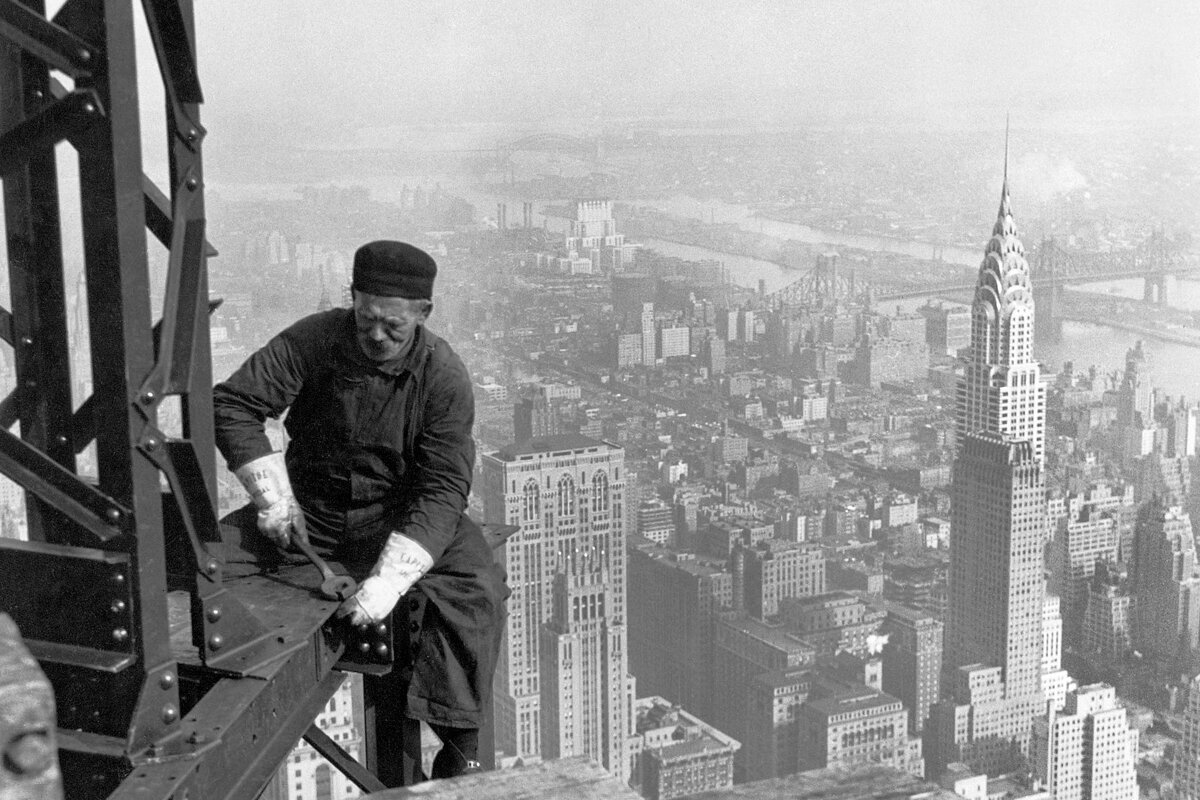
(319, 68)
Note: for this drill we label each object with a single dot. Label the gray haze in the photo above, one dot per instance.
(317, 73)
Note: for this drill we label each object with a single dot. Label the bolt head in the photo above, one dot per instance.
(192, 133)
(120, 635)
(166, 680)
(192, 183)
(214, 614)
(381, 650)
(210, 566)
(216, 641)
(151, 442)
(381, 629)
(148, 397)
(118, 606)
(113, 515)
(364, 647)
(169, 713)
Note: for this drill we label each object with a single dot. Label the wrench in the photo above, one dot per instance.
(333, 586)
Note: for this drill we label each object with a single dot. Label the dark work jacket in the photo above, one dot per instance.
(374, 449)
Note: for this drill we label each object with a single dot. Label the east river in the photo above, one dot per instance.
(1174, 368)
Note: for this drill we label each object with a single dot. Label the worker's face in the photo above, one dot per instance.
(386, 325)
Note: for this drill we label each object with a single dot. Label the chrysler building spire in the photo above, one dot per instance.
(1002, 390)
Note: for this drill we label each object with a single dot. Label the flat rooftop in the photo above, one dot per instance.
(561, 442)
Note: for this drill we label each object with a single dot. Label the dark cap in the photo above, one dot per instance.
(394, 269)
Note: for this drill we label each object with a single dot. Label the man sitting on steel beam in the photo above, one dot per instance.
(377, 472)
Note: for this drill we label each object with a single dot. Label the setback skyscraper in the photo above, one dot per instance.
(993, 642)
(562, 682)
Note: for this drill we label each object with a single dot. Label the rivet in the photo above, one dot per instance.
(118, 577)
(216, 641)
(214, 613)
(30, 754)
(192, 183)
(210, 566)
(151, 443)
(166, 680)
(192, 133)
(364, 647)
(147, 397)
(25, 340)
(113, 515)
(170, 713)
(381, 650)
(89, 108)
(60, 439)
(31, 383)
(381, 629)
(120, 635)
(117, 607)
(85, 55)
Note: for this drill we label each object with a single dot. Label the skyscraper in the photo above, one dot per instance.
(1166, 585)
(996, 587)
(1087, 752)
(649, 337)
(562, 682)
(1187, 754)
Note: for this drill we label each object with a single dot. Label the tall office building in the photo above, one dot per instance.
(562, 685)
(912, 660)
(996, 587)
(649, 337)
(1080, 542)
(1088, 751)
(1166, 585)
(593, 235)
(1187, 753)
(677, 598)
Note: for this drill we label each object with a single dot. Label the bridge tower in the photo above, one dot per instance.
(1157, 262)
(1047, 292)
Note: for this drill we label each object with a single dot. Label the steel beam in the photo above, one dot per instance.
(56, 47)
(332, 752)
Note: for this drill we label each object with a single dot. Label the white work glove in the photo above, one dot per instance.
(400, 564)
(279, 515)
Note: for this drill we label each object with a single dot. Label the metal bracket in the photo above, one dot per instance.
(58, 121)
(57, 47)
(38, 473)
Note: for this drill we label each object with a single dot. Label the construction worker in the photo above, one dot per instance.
(377, 471)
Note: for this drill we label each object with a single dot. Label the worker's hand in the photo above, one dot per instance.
(281, 521)
(373, 601)
(401, 563)
(279, 515)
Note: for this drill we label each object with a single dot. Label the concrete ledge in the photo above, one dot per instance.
(577, 778)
